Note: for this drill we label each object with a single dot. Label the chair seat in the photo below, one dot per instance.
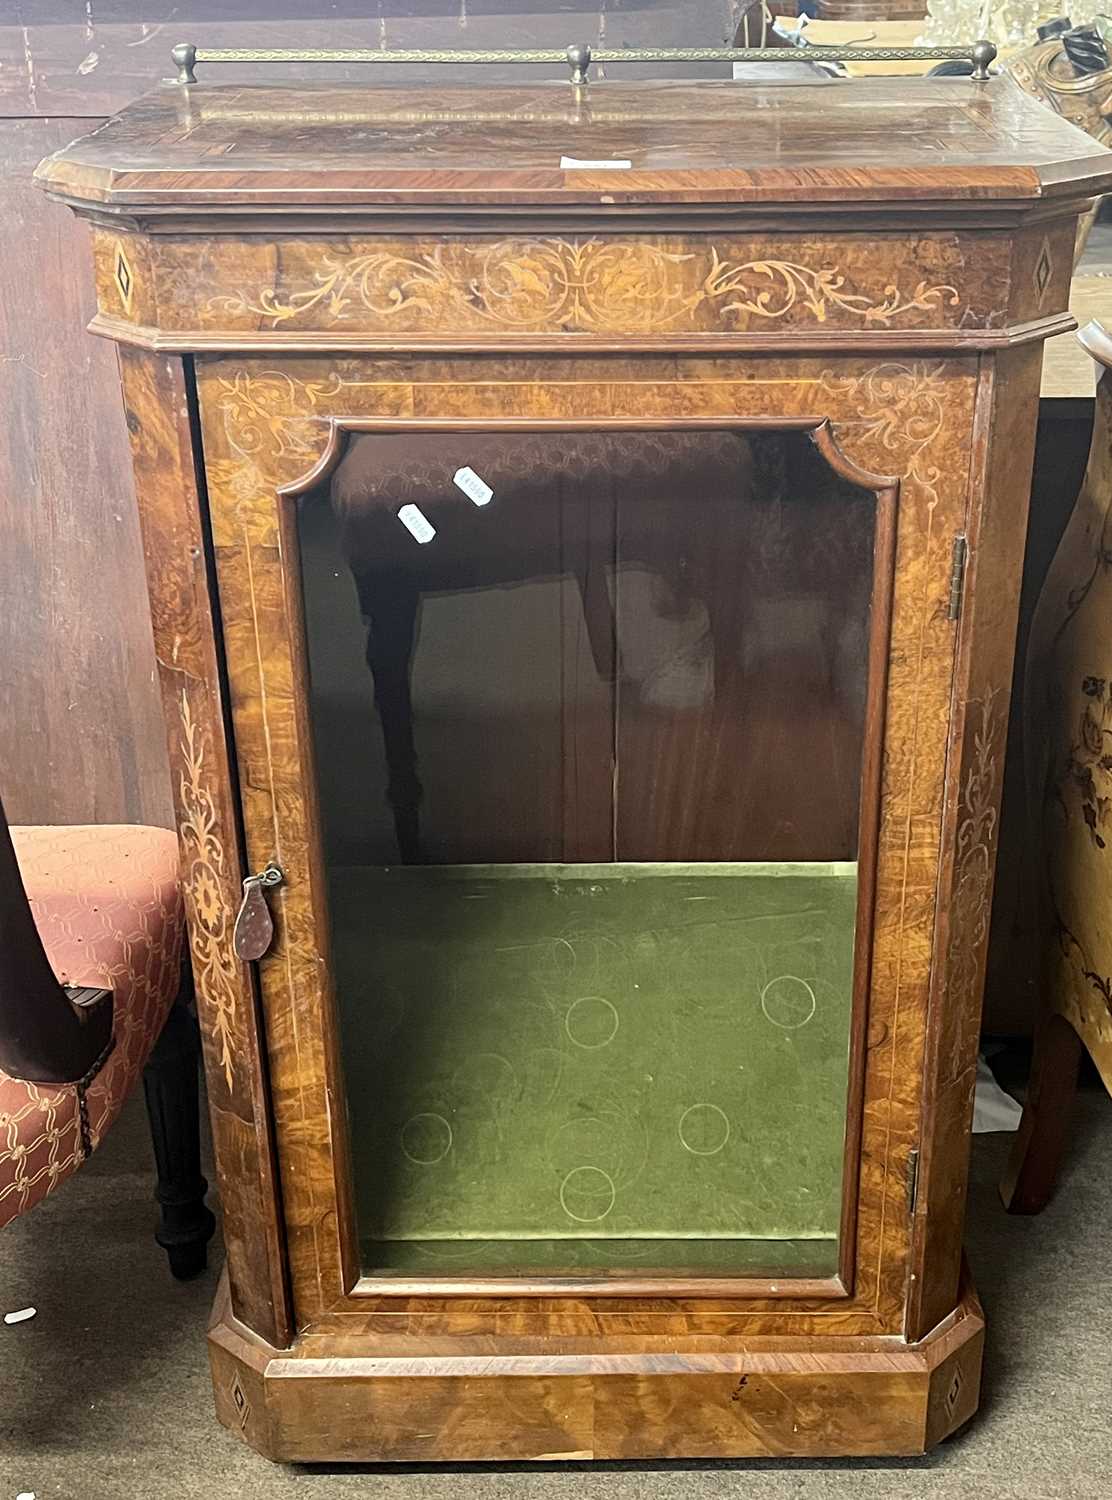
(107, 905)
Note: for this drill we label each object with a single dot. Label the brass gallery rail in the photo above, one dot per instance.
(579, 56)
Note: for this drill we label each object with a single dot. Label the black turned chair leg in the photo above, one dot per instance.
(171, 1087)
(391, 615)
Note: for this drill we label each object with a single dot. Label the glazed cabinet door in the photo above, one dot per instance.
(596, 713)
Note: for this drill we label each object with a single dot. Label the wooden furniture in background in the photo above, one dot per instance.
(1085, 99)
(854, 35)
(91, 996)
(293, 273)
(1013, 984)
(1016, 959)
(1069, 771)
(864, 13)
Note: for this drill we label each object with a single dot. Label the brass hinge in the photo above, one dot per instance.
(912, 1180)
(958, 558)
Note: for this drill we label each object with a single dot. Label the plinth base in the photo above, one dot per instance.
(327, 1401)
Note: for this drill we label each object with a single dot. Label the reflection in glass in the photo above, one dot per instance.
(589, 723)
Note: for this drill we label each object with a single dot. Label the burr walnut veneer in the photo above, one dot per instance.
(592, 589)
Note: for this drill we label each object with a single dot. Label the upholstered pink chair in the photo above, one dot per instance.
(91, 997)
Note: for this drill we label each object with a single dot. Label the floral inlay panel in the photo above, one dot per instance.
(205, 873)
(1079, 830)
(974, 863)
(595, 285)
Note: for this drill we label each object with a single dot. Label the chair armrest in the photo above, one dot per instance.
(49, 1033)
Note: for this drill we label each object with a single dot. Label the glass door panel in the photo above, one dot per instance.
(590, 720)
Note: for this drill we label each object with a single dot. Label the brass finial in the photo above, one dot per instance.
(982, 55)
(579, 61)
(185, 55)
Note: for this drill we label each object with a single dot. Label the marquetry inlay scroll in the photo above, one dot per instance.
(273, 425)
(486, 287)
(975, 854)
(898, 411)
(589, 286)
(205, 868)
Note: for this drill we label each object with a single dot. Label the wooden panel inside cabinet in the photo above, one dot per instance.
(590, 594)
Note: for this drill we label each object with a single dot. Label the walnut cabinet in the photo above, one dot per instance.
(583, 528)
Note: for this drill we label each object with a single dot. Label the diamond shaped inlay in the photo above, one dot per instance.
(954, 1391)
(1044, 269)
(123, 277)
(241, 1403)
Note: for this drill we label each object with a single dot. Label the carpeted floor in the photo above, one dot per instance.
(105, 1394)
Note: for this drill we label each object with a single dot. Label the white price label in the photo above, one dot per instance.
(473, 487)
(417, 523)
(568, 163)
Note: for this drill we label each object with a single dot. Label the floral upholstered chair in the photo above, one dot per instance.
(91, 996)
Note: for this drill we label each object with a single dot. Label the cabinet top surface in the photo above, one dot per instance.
(265, 147)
